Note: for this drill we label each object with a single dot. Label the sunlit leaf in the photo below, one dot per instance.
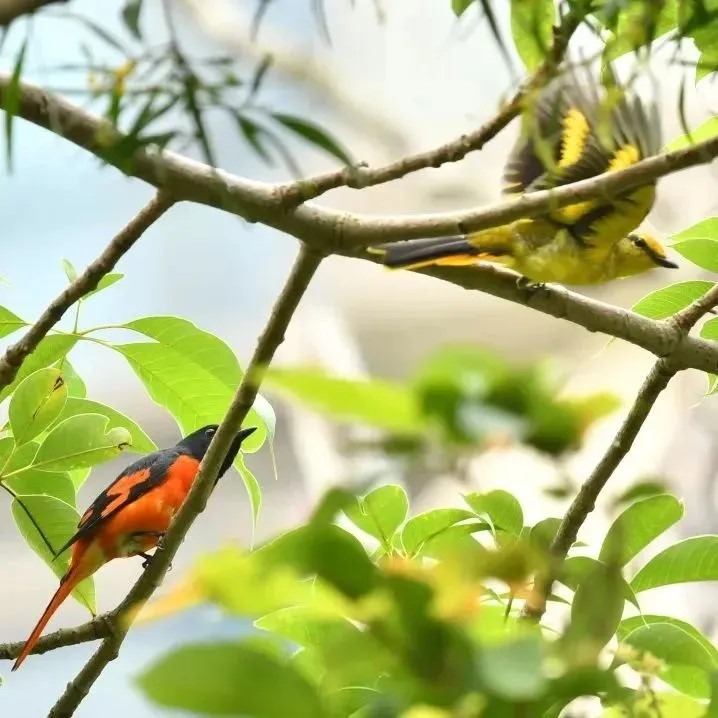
(36, 403)
(681, 671)
(638, 525)
(197, 358)
(532, 29)
(58, 522)
(51, 349)
(693, 559)
(80, 441)
(424, 527)
(503, 509)
(380, 512)
(57, 484)
(703, 132)
(140, 442)
(9, 322)
(689, 660)
(667, 301)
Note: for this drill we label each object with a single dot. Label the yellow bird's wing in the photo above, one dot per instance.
(570, 133)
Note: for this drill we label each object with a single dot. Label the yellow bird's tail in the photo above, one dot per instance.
(453, 251)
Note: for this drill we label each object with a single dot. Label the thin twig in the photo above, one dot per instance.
(360, 177)
(657, 380)
(93, 630)
(15, 354)
(121, 618)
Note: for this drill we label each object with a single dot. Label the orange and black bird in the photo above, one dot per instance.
(569, 133)
(132, 514)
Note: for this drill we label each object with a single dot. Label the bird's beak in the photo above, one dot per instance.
(244, 433)
(664, 262)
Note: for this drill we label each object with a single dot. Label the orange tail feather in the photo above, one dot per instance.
(67, 584)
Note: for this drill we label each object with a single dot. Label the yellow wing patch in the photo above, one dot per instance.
(575, 133)
(624, 157)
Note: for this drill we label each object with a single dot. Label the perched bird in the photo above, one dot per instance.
(132, 514)
(568, 134)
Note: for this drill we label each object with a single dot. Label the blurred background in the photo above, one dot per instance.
(387, 79)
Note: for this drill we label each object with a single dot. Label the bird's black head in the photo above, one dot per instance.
(197, 443)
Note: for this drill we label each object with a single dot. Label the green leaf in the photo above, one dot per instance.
(684, 678)
(666, 302)
(75, 385)
(699, 244)
(36, 403)
(9, 322)
(230, 679)
(710, 330)
(47, 352)
(705, 229)
(575, 569)
(374, 402)
(659, 705)
(58, 522)
(513, 669)
(254, 490)
(532, 29)
(681, 650)
(703, 132)
(694, 559)
(12, 102)
(501, 507)
(70, 271)
(701, 252)
(460, 6)
(543, 533)
(596, 609)
(380, 512)
(199, 357)
(32, 481)
(80, 441)
(314, 135)
(107, 281)
(140, 442)
(351, 656)
(638, 525)
(420, 529)
(14, 458)
(131, 17)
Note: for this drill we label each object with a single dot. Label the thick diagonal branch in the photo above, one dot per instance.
(584, 502)
(15, 354)
(121, 619)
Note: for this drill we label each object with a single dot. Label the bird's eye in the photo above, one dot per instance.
(211, 431)
(638, 241)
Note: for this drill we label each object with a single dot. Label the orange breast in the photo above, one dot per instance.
(130, 529)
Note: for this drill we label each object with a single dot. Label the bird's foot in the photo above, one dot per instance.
(528, 286)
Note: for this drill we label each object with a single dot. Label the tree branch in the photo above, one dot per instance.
(361, 176)
(15, 354)
(324, 229)
(93, 630)
(121, 618)
(12, 9)
(657, 380)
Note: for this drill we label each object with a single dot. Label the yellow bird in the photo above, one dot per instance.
(567, 135)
